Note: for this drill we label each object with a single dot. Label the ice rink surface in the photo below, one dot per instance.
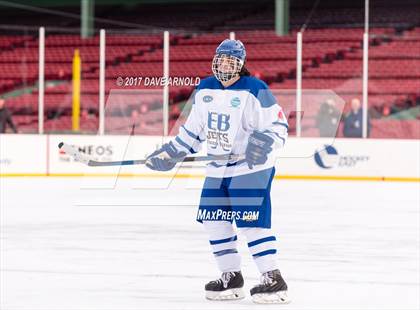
(341, 245)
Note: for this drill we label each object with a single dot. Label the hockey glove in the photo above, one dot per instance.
(165, 158)
(259, 145)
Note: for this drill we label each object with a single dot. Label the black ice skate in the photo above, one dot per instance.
(228, 287)
(272, 290)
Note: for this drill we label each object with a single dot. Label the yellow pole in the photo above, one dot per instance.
(76, 91)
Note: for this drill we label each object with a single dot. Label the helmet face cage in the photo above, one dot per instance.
(226, 67)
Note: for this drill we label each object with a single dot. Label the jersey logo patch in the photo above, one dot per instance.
(235, 102)
(207, 99)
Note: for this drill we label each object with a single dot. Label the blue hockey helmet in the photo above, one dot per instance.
(233, 48)
(228, 60)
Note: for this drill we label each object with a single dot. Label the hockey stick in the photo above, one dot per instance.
(83, 158)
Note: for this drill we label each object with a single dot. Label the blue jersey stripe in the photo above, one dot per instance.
(281, 124)
(278, 136)
(263, 253)
(224, 252)
(262, 240)
(189, 148)
(192, 135)
(213, 242)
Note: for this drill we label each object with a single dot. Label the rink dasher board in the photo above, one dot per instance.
(302, 158)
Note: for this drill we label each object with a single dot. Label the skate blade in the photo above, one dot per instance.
(271, 298)
(231, 294)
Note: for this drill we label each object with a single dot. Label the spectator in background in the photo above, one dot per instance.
(327, 119)
(5, 117)
(87, 114)
(135, 115)
(136, 120)
(353, 123)
(144, 109)
(61, 74)
(386, 110)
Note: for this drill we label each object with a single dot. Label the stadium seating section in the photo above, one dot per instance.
(332, 60)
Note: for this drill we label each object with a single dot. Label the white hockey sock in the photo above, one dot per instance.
(262, 245)
(223, 240)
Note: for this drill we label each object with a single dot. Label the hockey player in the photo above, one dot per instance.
(236, 114)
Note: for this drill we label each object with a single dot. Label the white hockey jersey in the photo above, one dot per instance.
(225, 117)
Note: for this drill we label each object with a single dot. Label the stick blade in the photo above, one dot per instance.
(93, 163)
(74, 152)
